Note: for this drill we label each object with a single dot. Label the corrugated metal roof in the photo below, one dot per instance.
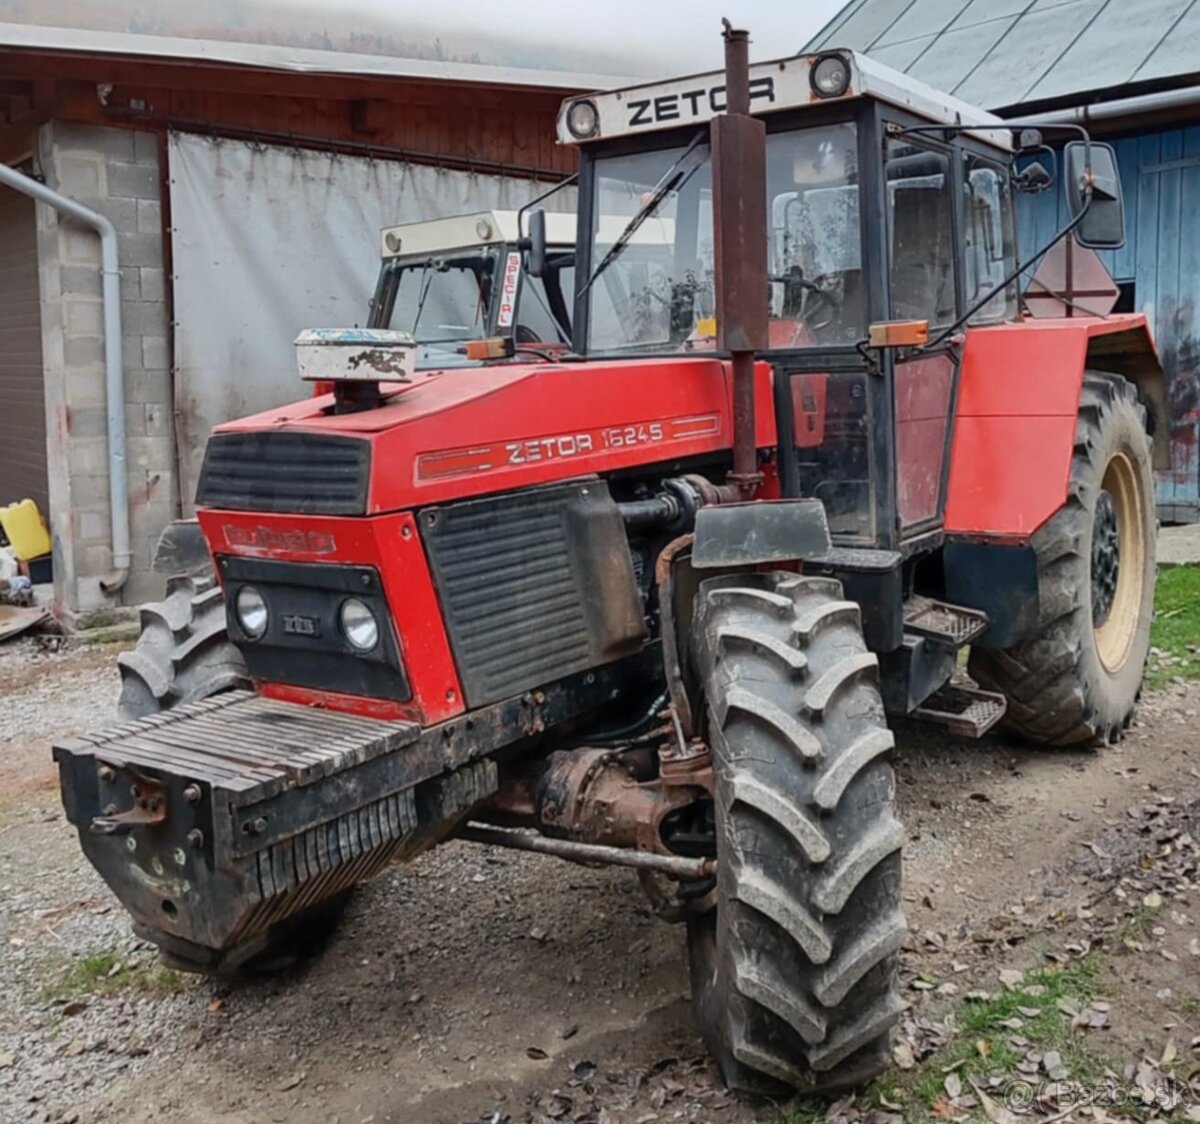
(1004, 53)
(21, 36)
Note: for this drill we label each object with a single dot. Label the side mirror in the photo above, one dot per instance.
(537, 243)
(1095, 193)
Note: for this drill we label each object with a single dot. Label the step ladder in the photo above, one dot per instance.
(935, 631)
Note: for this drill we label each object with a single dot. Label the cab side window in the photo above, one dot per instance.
(989, 242)
(536, 318)
(920, 222)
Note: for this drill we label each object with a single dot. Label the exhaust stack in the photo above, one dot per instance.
(739, 164)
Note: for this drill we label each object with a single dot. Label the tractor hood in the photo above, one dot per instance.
(446, 434)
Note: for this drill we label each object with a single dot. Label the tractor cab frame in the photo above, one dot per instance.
(892, 272)
(871, 218)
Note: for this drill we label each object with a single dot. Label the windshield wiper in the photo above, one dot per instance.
(423, 292)
(673, 179)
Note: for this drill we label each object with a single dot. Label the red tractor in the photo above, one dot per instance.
(652, 602)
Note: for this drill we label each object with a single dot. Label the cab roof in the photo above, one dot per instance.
(495, 228)
(465, 232)
(778, 85)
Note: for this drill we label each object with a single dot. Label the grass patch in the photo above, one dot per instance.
(980, 1047)
(813, 1112)
(107, 974)
(1129, 933)
(1175, 634)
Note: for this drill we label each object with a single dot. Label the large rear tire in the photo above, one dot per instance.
(1076, 680)
(795, 970)
(183, 654)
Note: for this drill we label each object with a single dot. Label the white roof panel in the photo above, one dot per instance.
(32, 37)
(903, 55)
(1137, 27)
(860, 22)
(1004, 53)
(982, 11)
(1016, 64)
(776, 85)
(1176, 52)
(949, 58)
(924, 18)
(461, 232)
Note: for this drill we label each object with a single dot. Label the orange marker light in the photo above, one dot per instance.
(898, 333)
(494, 347)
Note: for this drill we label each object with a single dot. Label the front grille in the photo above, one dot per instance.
(295, 473)
(534, 586)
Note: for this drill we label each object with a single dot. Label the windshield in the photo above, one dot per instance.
(442, 300)
(652, 291)
(656, 292)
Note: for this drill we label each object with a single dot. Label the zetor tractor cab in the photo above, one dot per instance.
(447, 282)
(652, 603)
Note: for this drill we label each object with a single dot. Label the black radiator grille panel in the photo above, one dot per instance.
(511, 597)
(296, 473)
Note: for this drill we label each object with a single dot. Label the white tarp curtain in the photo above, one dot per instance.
(268, 240)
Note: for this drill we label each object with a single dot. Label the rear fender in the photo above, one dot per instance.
(1014, 427)
(1130, 352)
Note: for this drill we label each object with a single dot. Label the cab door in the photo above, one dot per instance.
(924, 284)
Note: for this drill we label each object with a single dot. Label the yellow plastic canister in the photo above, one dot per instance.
(25, 529)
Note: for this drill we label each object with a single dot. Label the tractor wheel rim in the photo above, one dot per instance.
(1118, 562)
(1106, 558)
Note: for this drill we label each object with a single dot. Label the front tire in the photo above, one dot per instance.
(183, 654)
(1076, 680)
(795, 971)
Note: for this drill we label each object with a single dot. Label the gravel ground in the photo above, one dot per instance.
(475, 986)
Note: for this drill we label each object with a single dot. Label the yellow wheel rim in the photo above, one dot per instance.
(1118, 562)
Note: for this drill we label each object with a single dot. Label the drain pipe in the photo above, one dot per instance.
(1106, 110)
(114, 371)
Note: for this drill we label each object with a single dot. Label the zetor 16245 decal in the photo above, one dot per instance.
(648, 593)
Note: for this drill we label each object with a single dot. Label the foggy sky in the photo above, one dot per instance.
(658, 36)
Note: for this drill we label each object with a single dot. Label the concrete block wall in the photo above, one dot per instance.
(114, 172)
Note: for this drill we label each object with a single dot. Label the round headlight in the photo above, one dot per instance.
(582, 119)
(251, 612)
(359, 625)
(830, 76)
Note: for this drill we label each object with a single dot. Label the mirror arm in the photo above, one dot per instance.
(1016, 273)
(521, 236)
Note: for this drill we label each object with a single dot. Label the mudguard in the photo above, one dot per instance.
(1014, 428)
(181, 550)
(760, 533)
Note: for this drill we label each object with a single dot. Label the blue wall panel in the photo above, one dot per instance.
(1160, 173)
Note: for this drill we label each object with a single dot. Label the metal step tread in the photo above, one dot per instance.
(941, 621)
(249, 746)
(860, 559)
(967, 711)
